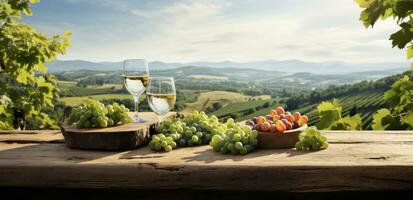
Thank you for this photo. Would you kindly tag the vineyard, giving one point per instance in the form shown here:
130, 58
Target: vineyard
366, 103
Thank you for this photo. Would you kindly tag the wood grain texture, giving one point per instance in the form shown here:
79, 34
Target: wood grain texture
122, 137
354, 161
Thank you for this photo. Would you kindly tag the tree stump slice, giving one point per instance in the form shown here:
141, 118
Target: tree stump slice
123, 137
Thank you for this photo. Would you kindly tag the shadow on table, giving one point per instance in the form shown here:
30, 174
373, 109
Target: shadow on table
209, 156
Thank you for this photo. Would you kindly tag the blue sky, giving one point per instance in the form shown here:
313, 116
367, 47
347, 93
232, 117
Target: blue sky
216, 30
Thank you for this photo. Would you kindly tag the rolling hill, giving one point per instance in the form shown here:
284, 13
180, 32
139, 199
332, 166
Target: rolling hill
286, 66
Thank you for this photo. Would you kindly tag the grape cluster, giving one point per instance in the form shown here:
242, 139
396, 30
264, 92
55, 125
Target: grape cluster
236, 140
196, 129
311, 140
94, 114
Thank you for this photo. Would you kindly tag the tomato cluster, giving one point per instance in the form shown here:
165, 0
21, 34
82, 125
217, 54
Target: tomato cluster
278, 121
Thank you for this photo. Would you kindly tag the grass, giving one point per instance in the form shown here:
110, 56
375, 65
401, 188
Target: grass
204, 76
238, 106
66, 84
74, 101
206, 99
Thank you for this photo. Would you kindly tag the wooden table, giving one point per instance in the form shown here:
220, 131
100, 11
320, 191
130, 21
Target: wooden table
354, 161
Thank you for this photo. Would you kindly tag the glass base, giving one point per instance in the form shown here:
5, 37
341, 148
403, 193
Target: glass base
139, 120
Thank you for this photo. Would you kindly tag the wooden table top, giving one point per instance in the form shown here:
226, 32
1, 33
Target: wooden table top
356, 160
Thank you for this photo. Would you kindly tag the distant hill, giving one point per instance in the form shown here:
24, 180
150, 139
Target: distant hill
287, 66
303, 80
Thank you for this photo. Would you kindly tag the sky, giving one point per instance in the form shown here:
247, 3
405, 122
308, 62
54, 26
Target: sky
216, 30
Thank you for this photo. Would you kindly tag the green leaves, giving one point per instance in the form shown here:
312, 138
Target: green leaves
402, 37
23, 53
400, 95
311, 140
383, 120
6, 122
330, 117
400, 116
401, 10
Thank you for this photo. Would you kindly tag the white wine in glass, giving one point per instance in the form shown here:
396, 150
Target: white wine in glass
161, 95
135, 78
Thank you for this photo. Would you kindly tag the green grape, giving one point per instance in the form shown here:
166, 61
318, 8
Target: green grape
243, 151
87, 124
193, 129
236, 138
164, 143
199, 142
182, 142
173, 145
311, 140
224, 150
169, 140
92, 113
156, 139
168, 148
162, 137
199, 134
194, 138
157, 147
231, 146
197, 129
103, 124
245, 140
238, 145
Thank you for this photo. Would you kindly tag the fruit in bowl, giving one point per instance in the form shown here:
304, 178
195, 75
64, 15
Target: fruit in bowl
278, 121
278, 129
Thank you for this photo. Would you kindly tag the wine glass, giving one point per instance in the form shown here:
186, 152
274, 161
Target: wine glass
135, 78
161, 95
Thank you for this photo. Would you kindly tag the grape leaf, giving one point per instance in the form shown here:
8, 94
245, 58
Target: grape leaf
408, 119
330, 117
383, 120
348, 123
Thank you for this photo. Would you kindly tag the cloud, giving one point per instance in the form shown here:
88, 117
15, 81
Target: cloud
238, 30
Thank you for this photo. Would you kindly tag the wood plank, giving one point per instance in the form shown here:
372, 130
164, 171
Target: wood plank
354, 161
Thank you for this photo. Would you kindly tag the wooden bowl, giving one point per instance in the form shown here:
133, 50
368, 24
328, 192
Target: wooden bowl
268, 140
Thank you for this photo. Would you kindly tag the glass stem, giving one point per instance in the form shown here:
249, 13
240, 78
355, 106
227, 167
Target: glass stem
136, 99
160, 118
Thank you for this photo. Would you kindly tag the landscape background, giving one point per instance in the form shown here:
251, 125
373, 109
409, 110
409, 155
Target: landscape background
241, 90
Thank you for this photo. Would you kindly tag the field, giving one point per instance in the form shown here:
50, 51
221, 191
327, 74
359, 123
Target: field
206, 99
367, 103
74, 101
202, 76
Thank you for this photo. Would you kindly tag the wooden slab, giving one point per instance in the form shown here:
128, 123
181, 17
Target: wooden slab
354, 161
122, 137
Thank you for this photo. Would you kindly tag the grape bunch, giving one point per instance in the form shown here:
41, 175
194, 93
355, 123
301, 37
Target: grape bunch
236, 140
94, 114
311, 140
196, 129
